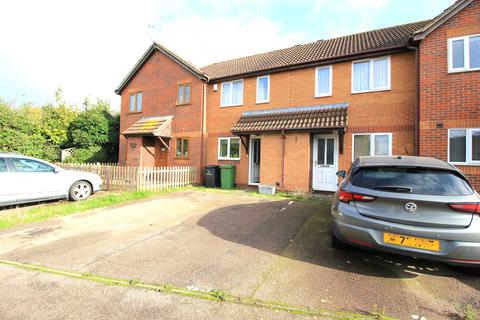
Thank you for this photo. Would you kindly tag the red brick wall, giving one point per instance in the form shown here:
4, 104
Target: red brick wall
385, 111
448, 99
158, 80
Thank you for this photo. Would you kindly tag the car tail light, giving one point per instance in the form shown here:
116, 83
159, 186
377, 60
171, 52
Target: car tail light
346, 197
466, 207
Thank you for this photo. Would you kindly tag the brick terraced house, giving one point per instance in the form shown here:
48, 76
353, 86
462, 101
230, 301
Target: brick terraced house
293, 117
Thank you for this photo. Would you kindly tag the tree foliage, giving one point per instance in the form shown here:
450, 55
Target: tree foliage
42, 131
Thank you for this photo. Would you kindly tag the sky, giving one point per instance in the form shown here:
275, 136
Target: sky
87, 47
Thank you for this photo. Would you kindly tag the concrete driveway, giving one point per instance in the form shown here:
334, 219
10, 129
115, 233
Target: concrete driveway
248, 246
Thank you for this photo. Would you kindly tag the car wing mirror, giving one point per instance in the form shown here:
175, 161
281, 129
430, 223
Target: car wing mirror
57, 170
341, 174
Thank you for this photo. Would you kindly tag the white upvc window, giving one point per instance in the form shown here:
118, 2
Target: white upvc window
323, 81
371, 75
371, 144
464, 146
229, 148
232, 93
464, 53
263, 89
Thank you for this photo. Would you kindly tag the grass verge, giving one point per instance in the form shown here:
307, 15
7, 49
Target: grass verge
24, 215
213, 295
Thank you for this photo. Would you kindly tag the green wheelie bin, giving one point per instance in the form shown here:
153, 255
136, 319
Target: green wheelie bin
227, 176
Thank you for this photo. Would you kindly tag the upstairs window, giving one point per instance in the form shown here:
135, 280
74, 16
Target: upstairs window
232, 93
372, 144
263, 89
371, 75
229, 149
323, 81
183, 94
135, 102
464, 146
182, 148
464, 53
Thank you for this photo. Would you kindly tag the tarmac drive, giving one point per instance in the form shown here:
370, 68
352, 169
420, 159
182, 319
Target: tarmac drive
263, 248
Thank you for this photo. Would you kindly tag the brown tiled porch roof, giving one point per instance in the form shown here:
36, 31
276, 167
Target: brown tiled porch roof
151, 126
328, 116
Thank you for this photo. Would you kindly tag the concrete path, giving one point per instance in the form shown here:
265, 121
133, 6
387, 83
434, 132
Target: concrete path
231, 242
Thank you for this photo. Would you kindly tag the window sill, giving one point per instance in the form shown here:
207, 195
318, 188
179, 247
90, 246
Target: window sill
228, 159
181, 158
183, 104
468, 164
453, 71
370, 91
231, 105
136, 112
262, 102
323, 95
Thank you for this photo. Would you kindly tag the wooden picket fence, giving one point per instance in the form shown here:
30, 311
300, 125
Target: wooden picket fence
123, 178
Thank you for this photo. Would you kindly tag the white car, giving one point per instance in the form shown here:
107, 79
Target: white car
25, 179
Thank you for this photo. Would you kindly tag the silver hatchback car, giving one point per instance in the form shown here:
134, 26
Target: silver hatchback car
415, 206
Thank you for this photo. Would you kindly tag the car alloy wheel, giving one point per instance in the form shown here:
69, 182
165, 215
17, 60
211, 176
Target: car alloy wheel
81, 190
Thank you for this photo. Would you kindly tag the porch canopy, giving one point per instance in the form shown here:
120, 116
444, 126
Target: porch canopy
312, 118
151, 126
326, 116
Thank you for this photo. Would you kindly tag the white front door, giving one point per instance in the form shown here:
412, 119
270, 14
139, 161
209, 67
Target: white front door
254, 165
325, 162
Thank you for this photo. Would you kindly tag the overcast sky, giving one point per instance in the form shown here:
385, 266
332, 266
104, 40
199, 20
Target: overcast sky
87, 47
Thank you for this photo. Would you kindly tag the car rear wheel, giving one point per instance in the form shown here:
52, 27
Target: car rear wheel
80, 190
338, 244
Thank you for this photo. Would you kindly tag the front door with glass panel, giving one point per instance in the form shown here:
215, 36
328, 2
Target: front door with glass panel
254, 170
325, 158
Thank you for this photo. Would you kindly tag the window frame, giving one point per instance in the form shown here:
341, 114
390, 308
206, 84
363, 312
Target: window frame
219, 156
135, 108
372, 142
184, 85
468, 148
330, 92
466, 54
182, 156
259, 101
231, 93
371, 80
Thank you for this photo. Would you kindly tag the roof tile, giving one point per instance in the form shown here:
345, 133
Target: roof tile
151, 126
392, 37
299, 118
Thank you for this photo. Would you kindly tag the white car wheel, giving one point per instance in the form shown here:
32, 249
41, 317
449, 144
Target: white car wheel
80, 190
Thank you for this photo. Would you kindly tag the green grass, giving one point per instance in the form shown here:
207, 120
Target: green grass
24, 215
470, 313
14, 217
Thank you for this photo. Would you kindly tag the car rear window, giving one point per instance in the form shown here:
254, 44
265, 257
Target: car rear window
412, 180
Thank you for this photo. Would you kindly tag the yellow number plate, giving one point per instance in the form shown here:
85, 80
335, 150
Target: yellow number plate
413, 242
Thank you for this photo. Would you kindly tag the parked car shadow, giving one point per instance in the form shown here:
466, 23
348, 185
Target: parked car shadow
302, 232
29, 205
